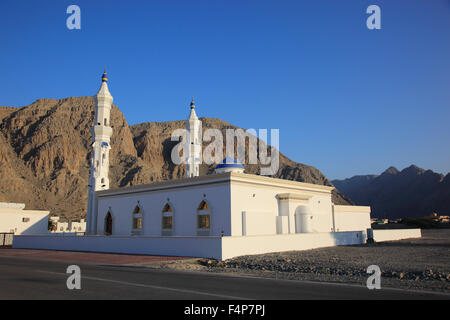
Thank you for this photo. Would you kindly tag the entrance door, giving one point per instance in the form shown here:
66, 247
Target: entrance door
108, 224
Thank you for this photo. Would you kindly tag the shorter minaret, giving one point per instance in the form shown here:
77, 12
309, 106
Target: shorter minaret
101, 136
194, 141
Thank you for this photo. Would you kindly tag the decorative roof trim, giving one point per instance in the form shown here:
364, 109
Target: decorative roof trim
214, 179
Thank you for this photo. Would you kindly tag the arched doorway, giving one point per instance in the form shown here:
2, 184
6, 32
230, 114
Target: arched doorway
108, 224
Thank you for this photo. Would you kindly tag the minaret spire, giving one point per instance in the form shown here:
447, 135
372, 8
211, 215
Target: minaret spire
101, 136
104, 77
194, 141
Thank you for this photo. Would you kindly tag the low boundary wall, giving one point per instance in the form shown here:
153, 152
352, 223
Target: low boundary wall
207, 247
380, 235
238, 246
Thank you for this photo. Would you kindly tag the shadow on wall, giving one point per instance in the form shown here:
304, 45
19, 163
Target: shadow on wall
38, 228
349, 237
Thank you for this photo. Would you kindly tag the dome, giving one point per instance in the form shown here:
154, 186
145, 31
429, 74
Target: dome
229, 164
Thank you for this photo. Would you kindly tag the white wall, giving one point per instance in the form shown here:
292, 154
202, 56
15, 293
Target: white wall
238, 246
12, 220
395, 234
258, 223
351, 218
322, 214
263, 198
184, 202
208, 247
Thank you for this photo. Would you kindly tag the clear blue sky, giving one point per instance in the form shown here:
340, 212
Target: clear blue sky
346, 99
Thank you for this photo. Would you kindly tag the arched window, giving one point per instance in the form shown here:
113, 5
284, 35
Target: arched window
203, 206
167, 220
108, 224
137, 221
167, 208
203, 219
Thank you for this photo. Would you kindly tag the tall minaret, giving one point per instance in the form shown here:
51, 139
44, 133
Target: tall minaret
101, 135
194, 140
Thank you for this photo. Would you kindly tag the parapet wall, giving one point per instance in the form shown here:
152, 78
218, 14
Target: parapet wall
395, 234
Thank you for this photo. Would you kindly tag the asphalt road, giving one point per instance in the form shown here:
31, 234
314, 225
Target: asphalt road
30, 278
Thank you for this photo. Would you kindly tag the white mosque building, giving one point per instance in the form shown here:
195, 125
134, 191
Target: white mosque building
221, 215
228, 203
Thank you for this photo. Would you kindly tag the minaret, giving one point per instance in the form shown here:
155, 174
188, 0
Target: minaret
194, 140
101, 135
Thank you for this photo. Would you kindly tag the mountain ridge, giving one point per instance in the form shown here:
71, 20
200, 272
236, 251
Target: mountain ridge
411, 192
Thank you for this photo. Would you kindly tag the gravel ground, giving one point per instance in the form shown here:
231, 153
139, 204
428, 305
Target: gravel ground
420, 264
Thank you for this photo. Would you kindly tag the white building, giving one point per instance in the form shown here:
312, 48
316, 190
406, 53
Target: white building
15, 219
221, 215
76, 226
229, 203
224, 204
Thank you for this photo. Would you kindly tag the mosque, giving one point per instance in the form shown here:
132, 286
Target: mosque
227, 203
221, 215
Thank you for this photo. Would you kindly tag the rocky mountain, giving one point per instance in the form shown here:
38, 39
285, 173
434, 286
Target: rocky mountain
45, 154
412, 192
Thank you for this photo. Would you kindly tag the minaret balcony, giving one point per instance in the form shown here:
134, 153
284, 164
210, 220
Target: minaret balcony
100, 130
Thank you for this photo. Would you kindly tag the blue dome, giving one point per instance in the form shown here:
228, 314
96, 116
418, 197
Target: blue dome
229, 162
